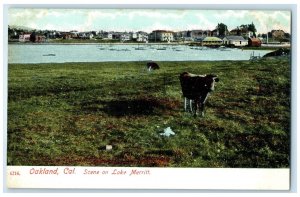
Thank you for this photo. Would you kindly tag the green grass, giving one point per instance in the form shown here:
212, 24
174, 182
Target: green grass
65, 114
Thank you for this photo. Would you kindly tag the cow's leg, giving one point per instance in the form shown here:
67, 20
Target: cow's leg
185, 103
191, 105
202, 106
195, 106
202, 103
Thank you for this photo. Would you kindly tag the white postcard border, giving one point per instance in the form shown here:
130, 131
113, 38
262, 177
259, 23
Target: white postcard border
71, 177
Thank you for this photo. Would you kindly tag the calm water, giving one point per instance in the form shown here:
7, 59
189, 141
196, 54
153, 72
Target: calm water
101, 53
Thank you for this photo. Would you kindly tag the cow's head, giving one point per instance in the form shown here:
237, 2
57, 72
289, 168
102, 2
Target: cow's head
210, 82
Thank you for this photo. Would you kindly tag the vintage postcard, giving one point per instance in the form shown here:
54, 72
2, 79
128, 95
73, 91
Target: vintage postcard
149, 98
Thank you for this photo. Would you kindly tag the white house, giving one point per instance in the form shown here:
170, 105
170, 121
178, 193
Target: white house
133, 35
125, 37
237, 41
142, 37
24, 38
85, 35
91, 35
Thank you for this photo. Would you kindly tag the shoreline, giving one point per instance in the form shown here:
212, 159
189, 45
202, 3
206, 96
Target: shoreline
263, 47
144, 61
93, 43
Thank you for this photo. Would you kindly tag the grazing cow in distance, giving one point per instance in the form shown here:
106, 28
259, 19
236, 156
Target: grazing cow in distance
152, 66
195, 89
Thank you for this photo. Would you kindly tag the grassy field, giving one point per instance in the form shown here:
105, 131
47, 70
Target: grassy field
66, 114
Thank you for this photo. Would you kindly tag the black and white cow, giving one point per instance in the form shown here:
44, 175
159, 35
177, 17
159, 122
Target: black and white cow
195, 89
152, 66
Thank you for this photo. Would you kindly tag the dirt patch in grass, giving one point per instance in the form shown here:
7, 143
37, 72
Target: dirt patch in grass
131, 107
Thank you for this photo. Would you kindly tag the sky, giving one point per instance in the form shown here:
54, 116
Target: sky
146, 19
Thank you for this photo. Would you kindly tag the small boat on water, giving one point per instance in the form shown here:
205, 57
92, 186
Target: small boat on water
50, 54
223, 48
197, 48
139, 48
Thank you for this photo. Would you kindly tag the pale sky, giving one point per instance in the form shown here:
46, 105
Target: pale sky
146, 19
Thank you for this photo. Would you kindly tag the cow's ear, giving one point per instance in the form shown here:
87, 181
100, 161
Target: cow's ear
216, 79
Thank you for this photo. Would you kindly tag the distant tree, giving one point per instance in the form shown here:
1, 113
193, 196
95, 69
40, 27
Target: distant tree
244, 26
222, 28
189, 33
270, 35
238, 31
264, 35
287, 35
32, 37
10, 33
251, 27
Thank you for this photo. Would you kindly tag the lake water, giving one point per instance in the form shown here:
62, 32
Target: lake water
58, 53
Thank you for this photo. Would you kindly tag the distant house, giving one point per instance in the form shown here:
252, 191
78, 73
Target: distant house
254, 42
215, 32
53, 34
24, 38
33, 37
40, 38
66, 35
277, 34
90, 35
211, 41
49, 34
241, 32
114, 35
142, 37
83, 35
109, 35
125, 37
236, 41
162, 35
196, 34
74, 35
182, 36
